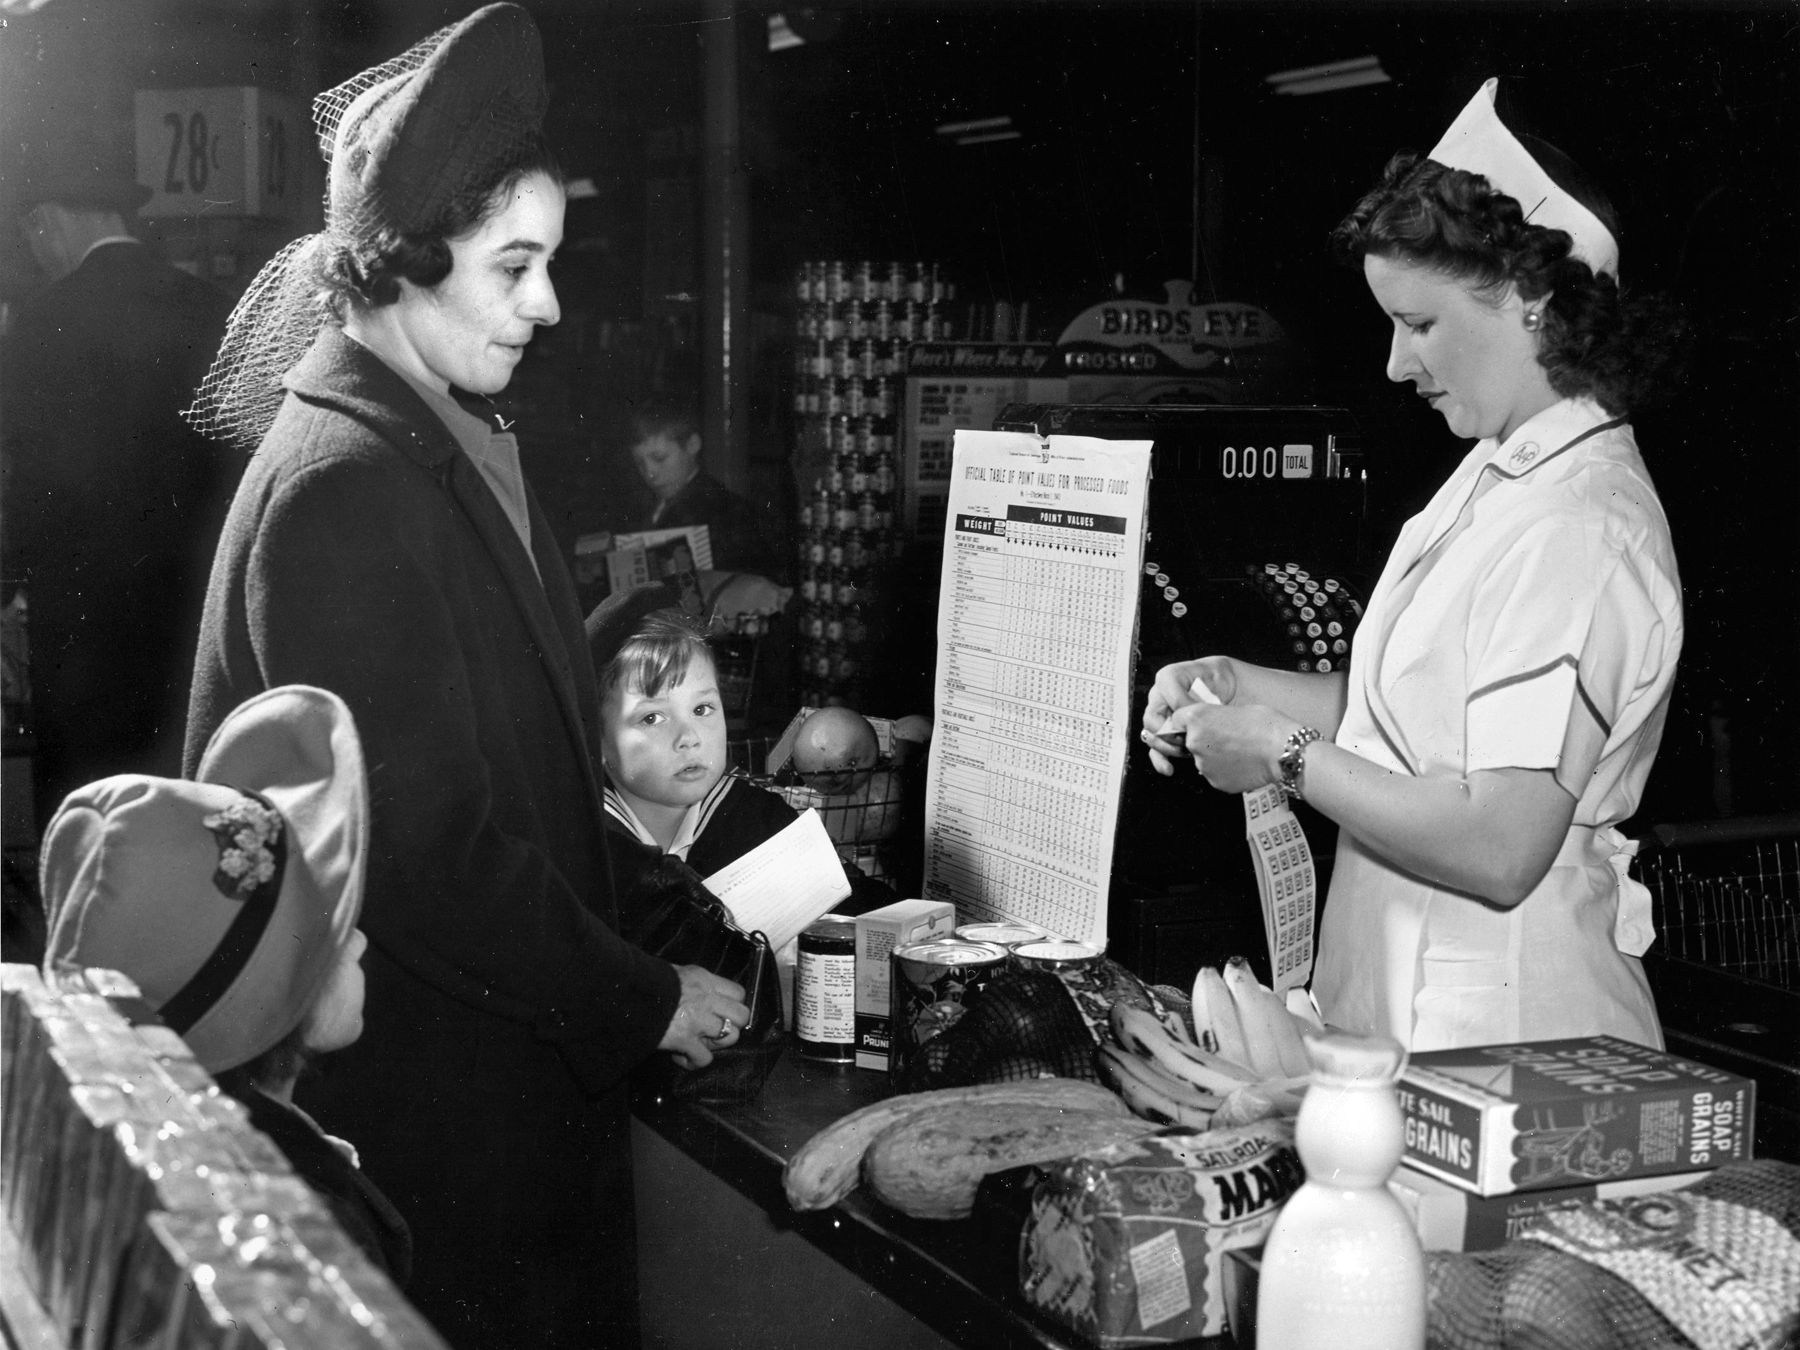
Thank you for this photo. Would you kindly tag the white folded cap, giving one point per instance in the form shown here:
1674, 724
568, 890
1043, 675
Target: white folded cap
1479, 142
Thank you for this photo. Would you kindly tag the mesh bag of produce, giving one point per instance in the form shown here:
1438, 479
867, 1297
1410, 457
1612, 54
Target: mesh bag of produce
1023, 1025
1029, 1023
1715, 1266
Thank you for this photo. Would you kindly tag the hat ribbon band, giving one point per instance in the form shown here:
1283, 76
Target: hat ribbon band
228, 960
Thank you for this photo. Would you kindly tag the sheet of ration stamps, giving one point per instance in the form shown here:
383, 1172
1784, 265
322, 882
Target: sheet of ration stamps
1037, 614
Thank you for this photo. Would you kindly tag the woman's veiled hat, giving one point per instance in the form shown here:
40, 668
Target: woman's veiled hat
1478, 142
403, 141
228, 898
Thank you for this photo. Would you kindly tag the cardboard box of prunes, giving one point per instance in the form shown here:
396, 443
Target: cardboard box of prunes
877, 934
1494, 1119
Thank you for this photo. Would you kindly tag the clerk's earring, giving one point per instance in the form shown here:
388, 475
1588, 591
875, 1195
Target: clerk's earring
1533, 320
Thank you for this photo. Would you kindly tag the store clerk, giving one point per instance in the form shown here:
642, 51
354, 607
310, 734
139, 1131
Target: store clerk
1509, 682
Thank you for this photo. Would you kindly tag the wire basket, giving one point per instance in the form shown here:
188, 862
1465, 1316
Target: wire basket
749, 755
1727, 894
864, 823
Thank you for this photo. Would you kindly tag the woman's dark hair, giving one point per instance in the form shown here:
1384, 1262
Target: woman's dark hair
1622, 351
657, 655
369, 271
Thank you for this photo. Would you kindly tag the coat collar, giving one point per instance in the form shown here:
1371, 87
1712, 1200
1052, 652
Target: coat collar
339, 371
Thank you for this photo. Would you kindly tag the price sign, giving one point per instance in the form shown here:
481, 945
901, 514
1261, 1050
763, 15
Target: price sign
231, 151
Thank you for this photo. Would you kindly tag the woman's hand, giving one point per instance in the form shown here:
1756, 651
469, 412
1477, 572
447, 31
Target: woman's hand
709, 1017
1180, 686
1236, 749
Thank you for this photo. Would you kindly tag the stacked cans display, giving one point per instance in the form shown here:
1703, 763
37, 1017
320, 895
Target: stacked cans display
854, 323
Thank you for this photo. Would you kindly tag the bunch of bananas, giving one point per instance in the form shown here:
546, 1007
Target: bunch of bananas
1243, 1059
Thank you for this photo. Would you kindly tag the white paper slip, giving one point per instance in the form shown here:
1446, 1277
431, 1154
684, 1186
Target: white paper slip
785, 882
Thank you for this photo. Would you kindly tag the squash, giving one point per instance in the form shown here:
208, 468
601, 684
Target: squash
930, 1164
824, 1169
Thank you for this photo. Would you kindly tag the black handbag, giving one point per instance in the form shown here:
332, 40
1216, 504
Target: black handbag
687, 925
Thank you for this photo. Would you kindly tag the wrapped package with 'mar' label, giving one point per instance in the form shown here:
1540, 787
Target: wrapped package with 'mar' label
1125, 1245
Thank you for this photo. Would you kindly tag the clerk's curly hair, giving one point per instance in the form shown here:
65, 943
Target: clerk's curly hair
368, 271
1625, 351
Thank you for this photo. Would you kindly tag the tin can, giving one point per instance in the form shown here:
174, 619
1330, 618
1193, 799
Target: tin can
825, 989
933, 983
1005, 934
1055, 955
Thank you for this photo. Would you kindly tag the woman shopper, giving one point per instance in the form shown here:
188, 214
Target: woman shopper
1510, 679
385, 545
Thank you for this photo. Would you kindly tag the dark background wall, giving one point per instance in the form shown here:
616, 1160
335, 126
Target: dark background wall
1150, 148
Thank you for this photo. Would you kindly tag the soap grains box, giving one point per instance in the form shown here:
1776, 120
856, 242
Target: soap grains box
877, 934
1450, 1219
1494, 1119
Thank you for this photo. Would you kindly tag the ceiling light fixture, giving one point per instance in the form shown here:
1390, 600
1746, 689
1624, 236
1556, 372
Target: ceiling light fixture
988, 136
781, 34
960, 129
1333, 75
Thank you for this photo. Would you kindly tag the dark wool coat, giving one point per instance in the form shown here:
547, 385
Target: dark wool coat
111, 508
364, 553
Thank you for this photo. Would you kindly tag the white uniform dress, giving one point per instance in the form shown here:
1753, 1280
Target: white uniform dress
1529, 617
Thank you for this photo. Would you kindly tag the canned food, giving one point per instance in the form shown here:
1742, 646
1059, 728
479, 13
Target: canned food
1057, 956
1005, 934
825, 989
933, 984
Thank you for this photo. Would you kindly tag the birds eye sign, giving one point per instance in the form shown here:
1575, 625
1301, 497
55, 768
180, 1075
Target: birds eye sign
227, 152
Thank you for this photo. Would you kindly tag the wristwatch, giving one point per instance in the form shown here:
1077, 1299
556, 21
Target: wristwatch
1293, 761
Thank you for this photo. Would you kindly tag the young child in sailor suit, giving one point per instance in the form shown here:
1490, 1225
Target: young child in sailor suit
663, 749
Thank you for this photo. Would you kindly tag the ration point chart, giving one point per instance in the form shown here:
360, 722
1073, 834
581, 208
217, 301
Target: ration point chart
1037, 617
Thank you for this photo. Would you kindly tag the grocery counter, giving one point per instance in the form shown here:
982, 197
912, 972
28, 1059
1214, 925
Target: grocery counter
914, 1282
714, 1218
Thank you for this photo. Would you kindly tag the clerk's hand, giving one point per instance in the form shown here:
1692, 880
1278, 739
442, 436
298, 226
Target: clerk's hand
710, 1016
1174, 690
1236, 749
